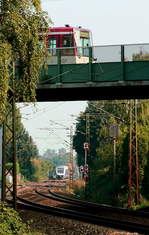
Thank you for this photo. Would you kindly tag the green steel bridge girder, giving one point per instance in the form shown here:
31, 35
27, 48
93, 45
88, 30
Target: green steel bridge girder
100, 72
109, 80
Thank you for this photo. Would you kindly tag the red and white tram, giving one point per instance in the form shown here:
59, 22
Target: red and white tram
71, 42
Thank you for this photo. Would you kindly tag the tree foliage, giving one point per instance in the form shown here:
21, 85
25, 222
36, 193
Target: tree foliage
20, 22
142, 55
41, 169
26, 149
56, 158
101, 115
105, 183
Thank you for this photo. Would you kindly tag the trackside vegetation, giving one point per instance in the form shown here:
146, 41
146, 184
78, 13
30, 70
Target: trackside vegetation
108, 168
11, 223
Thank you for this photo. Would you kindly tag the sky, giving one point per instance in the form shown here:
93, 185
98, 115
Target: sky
112, 22
50, 123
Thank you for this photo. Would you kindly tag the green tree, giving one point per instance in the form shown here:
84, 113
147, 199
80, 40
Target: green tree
20, 22
101, 149
41, 169
101, 115
56, 158
142, 55
26, 149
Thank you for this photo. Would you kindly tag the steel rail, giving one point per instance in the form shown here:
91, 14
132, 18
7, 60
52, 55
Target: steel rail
90, 205
60, 199
85, 217
76, 206
93, 205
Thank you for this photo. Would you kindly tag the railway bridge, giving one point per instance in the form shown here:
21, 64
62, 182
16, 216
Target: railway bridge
111, 72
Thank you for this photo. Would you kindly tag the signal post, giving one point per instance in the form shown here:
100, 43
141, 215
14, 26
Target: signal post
85, 170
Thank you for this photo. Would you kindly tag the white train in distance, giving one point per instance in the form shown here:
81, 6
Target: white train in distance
63, 172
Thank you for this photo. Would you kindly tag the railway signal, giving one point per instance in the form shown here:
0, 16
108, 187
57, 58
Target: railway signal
81, 168
86, 169
86, 148
86, 173
86, 145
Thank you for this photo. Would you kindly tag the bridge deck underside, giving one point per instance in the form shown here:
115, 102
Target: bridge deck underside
114, 80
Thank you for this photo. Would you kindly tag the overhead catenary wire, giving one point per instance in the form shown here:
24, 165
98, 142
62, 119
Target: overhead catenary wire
42, 111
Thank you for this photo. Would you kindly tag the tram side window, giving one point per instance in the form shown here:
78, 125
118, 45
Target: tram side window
67, 41
52, 46
85, 43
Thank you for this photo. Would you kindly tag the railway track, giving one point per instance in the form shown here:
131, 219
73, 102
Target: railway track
94, 206
88, 212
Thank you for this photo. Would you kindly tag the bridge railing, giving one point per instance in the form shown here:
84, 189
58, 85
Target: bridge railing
136, 52
115, 53
98, 54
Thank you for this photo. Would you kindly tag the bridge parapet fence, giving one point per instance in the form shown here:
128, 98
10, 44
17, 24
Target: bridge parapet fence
136, 52
103, 54
117, 53
99, 54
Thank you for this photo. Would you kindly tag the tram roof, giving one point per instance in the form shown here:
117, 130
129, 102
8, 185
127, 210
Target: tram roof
67, 29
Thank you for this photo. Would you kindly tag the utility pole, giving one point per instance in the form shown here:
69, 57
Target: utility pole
87, 156
133, 164
114, 134
71, 158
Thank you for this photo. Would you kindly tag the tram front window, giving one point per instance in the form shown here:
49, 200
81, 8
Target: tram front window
67, 41
60, 170
85, 43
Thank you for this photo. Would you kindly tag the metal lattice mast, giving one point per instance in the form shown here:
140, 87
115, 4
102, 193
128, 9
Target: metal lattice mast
133, 164
9, 145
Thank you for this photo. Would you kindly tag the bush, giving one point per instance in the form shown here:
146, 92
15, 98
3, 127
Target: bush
11, 223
